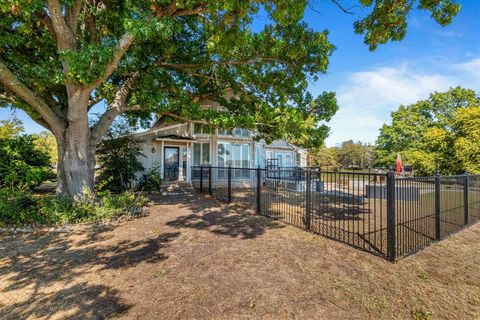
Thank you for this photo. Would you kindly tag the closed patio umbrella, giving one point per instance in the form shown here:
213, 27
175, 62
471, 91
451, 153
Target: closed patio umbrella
398, 164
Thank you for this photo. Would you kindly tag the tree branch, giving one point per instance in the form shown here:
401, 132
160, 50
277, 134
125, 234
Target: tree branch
125, 42
117, 107
65, 37
172, 11
43, 16
182, 118
190, 12
345, 10
53, 119
184, 66
72, 15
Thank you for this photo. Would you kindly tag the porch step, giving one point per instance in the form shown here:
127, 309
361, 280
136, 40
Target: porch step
177, 188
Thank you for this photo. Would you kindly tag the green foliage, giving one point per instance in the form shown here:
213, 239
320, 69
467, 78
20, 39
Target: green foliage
350, 154
10, 128
118, 158
440, 133
19, 207
189, 49
324, 157
22, 165
355, 155
46, 141
388, 19
151, 181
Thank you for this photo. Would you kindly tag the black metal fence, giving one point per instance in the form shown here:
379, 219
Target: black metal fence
376, 212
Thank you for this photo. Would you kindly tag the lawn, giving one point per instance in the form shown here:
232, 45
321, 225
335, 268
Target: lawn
193, 257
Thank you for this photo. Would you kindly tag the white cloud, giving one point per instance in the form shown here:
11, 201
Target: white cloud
471, 71
367, 98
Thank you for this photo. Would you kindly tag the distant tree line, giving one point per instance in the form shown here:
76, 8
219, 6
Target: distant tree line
439, 134
348, 155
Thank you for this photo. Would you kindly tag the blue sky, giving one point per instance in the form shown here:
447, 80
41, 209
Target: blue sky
370, 85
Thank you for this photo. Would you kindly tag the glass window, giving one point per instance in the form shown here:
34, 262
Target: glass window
288, 160
197, 147
201, 153
270, 155
234, 154
245, 155
284, 159
225, 132
258, 155
239, 132
280, 159
206, 152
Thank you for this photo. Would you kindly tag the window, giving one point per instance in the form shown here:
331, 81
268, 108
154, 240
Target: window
285, 159
270, 155
201, 153
258, 155
237, 132
225, 132
234, 154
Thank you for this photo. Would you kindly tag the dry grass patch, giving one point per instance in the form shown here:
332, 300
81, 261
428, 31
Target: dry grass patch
195, 258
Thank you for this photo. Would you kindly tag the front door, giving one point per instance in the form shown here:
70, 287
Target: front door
171, 163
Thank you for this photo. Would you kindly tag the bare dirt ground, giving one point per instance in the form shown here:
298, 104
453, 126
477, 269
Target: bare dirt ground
194, 258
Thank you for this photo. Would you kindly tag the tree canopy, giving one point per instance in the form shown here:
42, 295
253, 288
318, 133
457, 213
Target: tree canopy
441, 133
58, 58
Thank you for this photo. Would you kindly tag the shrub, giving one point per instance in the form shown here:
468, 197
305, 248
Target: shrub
22, 165
151, 181
19, 207
118, 158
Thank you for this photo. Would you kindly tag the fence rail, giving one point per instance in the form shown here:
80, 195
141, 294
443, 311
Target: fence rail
376, 212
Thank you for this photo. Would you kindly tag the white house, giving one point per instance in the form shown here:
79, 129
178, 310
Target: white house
172, 148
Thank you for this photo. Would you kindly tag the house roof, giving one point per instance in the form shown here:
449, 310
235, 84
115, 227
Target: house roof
175, 137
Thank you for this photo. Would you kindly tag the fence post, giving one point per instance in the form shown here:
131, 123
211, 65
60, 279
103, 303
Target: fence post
391, 239
437, 207
229, 183
201, 179
465, 200
210, 179
308, 199
259, 190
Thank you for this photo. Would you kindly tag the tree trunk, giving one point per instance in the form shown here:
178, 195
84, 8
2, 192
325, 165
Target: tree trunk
76, 153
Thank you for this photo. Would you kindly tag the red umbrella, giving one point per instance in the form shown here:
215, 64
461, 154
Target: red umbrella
398, 164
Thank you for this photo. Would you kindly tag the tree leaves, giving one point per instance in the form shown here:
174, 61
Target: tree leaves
388, 19
440, 133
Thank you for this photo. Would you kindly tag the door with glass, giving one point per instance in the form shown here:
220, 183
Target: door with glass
171, 163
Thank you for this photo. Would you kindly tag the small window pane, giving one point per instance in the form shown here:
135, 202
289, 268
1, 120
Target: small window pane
196, 154
206, 153
225, 132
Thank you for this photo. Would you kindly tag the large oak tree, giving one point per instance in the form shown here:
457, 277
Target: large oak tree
58, 58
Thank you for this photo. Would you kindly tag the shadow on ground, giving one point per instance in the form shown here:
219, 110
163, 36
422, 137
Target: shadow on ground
222, 219
48, 265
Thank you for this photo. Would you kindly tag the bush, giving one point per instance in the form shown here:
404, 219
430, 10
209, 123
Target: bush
118, 158
22, 165
19, 207
151, 181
